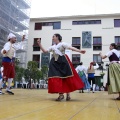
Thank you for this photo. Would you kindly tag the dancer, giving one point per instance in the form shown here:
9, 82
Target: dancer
8, 52
62, 76
91, 72
113, 70
1, 80
82, 70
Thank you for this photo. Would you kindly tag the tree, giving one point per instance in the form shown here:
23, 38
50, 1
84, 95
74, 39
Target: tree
44, 71
26, 75
19, 72
39, 75
32, 70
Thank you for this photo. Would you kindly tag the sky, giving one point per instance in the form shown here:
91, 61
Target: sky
52, 8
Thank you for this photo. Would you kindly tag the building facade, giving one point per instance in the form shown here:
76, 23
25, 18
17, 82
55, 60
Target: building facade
14, 17
94, 33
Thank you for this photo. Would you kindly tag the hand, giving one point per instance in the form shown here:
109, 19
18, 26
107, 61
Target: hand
83, 51
23, 37
4, 51
38, 40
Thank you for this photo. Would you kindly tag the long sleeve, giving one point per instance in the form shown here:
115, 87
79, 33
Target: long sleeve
18, 46
85, 69
77, 69
6, 47
97, 66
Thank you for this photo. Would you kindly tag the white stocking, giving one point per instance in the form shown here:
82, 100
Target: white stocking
9, 83
93, 87
0, 83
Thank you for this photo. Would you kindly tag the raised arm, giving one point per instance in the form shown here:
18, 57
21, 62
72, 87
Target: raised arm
96, 66
102, 56
77, 50
19, 45
41, 47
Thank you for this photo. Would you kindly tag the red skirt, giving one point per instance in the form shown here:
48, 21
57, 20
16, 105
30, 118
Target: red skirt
65, 85
8, 70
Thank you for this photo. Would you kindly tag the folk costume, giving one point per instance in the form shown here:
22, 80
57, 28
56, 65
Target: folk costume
113, 72
82, 70
63, 78
8, 60
91, 77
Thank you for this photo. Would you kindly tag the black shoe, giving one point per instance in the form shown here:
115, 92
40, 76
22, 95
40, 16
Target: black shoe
68, 98
61, 97
118, 98
10, 92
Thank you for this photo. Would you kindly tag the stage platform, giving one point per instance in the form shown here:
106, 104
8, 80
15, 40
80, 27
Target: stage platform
39, 105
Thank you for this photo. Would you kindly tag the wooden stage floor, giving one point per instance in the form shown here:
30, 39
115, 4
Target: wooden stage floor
39, 105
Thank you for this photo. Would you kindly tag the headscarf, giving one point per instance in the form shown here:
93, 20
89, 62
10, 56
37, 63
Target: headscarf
11, 35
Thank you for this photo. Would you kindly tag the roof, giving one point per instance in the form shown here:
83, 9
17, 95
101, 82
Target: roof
76, 17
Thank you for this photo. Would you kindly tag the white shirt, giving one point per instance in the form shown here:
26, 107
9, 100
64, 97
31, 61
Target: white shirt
113, 51
81, 68
16, 46
55, 48
95, 67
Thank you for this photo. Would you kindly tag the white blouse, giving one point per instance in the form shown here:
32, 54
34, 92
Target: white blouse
55, 48
113, 51
81, 68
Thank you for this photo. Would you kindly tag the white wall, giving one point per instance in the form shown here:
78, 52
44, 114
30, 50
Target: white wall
106, 30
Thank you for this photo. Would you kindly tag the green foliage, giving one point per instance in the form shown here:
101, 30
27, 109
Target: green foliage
32, 67
32, 72
26, 75
39, 75
19, 73
44, 71
102, 73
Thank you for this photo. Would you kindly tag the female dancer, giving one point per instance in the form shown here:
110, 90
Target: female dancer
62, 76
113, 70
81, 70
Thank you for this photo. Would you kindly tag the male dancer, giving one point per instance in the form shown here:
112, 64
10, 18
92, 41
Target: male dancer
8, 52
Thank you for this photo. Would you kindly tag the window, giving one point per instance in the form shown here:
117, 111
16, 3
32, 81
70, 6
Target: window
56, 25
97, 43
117, 41
47, 24
38, 26
35, 45
86, 22
37, 59
97, 58
76, 58
116, 22
76, 42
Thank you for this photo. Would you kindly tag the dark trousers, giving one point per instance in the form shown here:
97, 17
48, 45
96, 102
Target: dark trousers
93, 80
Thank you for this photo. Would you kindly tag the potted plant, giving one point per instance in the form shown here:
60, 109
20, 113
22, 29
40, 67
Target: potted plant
102, 73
